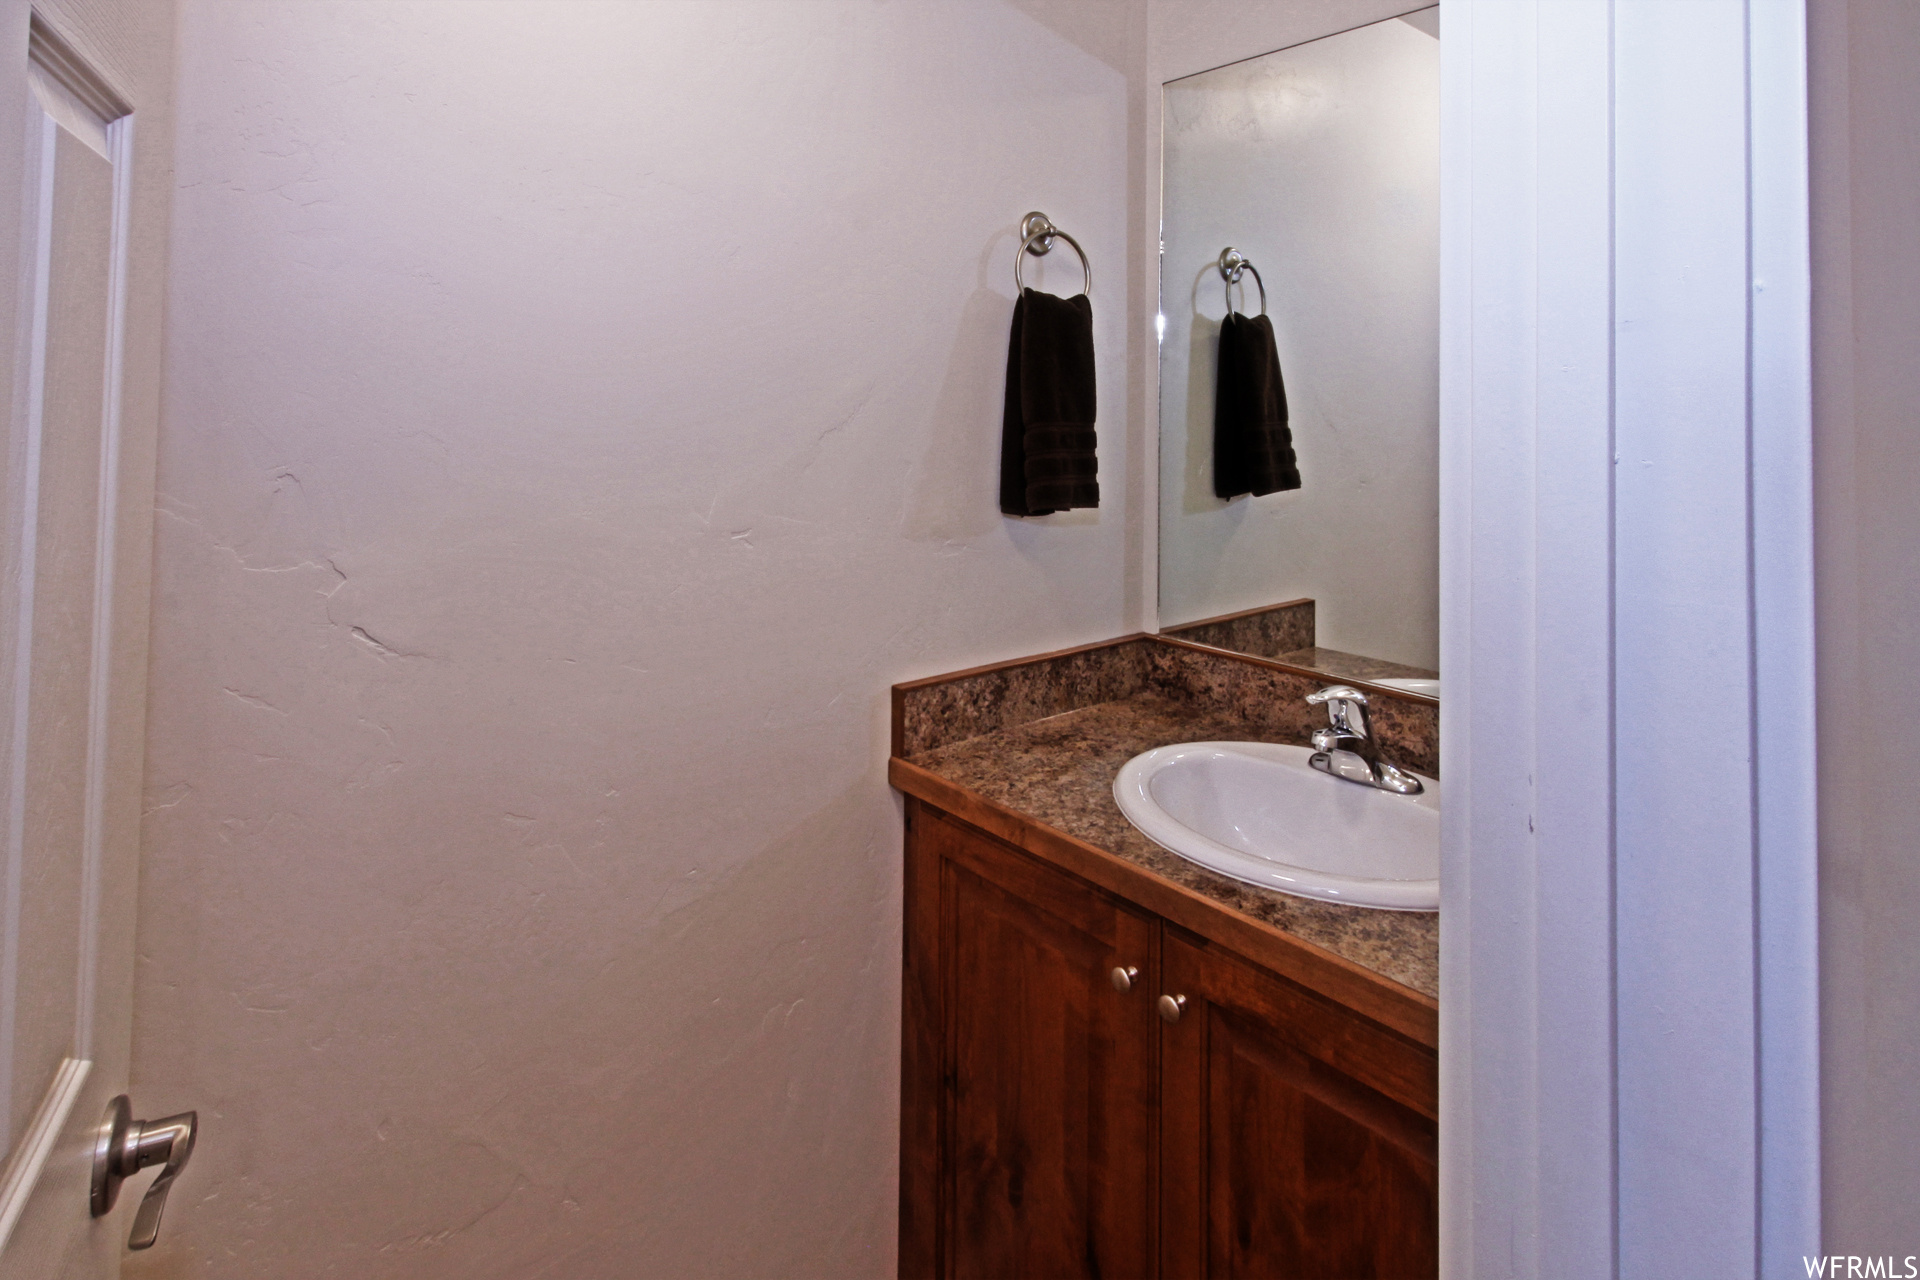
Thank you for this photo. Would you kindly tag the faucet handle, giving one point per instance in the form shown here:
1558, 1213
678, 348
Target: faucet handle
1346, 709
1346, 748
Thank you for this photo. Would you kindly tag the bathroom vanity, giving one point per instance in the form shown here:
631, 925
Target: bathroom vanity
1116, 1062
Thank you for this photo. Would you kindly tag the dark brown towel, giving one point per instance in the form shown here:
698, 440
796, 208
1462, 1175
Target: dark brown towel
1252, 445
1047, 461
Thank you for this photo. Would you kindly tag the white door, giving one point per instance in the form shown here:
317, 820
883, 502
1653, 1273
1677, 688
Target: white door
67, 860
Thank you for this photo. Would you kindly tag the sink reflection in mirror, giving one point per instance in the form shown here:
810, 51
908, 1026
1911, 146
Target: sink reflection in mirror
1319, 166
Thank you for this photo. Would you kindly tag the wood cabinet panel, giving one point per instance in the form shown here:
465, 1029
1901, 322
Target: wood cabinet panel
1043, 1117
1052, 1126
923, 1067
1297, 1139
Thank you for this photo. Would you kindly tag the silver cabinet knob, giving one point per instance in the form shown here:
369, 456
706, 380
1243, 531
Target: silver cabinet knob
1170, 1007
1123, 977
124, 1147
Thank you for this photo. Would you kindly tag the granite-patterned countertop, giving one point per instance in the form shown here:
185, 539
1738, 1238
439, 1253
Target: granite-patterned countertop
1060, 771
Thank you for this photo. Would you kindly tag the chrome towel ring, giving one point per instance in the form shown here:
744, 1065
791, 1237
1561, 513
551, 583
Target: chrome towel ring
1232, 264
1037, 234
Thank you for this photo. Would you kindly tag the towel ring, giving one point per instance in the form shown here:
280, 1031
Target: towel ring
1232, 264
1038, 233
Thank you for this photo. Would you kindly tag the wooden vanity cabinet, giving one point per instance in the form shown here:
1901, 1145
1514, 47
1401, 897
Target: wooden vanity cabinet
1028, 1086
1297, 1138
1055, 1126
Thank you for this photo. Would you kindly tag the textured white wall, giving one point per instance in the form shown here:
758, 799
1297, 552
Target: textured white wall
1867, 469
578, 414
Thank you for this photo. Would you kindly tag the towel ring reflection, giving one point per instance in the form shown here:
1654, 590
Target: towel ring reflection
1037, 236
1232, 264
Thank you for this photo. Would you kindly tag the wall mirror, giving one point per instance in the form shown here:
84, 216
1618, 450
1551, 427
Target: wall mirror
1318, 165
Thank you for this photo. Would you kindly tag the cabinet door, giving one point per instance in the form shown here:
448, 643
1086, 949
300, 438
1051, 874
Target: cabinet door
1298, 1138
1046, 1085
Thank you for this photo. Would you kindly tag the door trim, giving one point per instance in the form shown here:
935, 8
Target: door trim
22, 1174
70, 94
1629, 947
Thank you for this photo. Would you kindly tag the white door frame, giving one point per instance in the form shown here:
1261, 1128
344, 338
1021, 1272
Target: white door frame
1629, 1012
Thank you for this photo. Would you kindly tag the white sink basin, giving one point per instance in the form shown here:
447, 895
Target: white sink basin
1257, 812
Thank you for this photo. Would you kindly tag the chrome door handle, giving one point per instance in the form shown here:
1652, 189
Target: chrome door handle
124, 1147
1171, 1007
1122, 977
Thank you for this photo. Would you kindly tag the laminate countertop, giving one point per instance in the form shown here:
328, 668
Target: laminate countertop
1059, 772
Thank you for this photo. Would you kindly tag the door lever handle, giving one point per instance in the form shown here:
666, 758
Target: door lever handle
124, 1147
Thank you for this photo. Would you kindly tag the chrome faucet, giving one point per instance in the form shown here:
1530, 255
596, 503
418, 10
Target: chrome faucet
1346, 747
